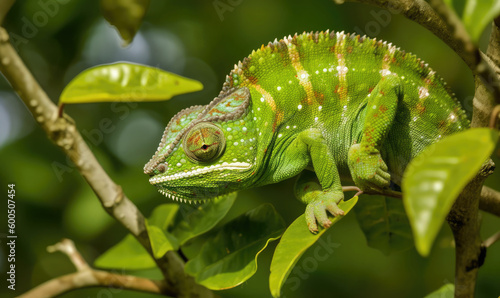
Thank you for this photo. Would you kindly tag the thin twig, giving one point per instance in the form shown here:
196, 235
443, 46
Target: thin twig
494, 117
67, 247
492, 239
87, 277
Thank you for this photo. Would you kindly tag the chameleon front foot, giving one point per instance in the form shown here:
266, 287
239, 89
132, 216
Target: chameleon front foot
368, 170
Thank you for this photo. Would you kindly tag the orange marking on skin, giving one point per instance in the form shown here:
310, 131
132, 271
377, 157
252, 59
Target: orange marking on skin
215, 110
320, 97
383, 108
382, 92
267, 97
302, 75
277, 119
371, 89
253, 79
442, 124
420, 108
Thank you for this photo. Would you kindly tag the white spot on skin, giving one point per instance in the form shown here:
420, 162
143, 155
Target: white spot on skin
242, 140
299, 107
178, 164
254, 118
319, 108
287, 127
234, 159
280, 135
325, 70
295, 126
279, 88
385, 72
244, 129
315, 118
374, 107
262, 99
289, 82
342, 70
423, 92
316, 72
251, 148
229, 129
235, 143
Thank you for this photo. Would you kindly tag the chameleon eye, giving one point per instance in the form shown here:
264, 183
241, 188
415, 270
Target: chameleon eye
204, 142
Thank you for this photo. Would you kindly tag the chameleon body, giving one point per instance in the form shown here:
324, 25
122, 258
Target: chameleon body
323, 105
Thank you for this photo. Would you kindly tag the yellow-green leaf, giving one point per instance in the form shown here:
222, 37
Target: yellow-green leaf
160, 243
477, 14
294, 242
446, 291
197, 221
435, 178
230, 257
127, 254
125, 15
119, 82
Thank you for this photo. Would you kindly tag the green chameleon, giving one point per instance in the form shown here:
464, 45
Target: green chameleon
327, 106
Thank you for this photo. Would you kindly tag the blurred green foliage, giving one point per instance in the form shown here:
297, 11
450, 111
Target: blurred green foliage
199, 40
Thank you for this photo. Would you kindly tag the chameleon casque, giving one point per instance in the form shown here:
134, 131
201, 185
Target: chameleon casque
323, 105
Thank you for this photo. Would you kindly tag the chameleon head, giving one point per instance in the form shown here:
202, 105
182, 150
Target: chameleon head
206, 151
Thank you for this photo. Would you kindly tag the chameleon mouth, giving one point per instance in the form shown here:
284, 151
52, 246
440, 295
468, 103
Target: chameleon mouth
180, 199
220, 167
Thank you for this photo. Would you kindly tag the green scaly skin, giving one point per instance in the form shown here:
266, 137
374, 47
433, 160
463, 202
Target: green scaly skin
341, 105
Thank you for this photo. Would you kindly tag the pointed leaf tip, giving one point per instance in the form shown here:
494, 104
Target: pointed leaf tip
123, 81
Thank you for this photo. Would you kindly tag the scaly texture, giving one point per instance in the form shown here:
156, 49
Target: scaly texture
342, 105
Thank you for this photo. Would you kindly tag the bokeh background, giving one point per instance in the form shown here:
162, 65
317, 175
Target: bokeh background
200, 40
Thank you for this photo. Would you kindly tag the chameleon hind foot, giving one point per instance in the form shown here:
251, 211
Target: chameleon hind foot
368, 170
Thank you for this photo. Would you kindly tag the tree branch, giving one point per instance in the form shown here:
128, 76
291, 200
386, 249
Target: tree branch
490, 201
63, 132
87, 277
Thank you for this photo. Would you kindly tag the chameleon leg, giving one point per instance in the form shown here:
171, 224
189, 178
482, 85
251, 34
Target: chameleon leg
321, 190
367, 168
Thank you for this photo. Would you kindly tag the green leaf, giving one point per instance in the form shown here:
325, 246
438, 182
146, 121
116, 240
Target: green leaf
127, 254
435, 178
230, 258
119, 82
163, 215
478, 14
296, 240
446, 291
197, 221
161, 241
384, 223
125, 15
